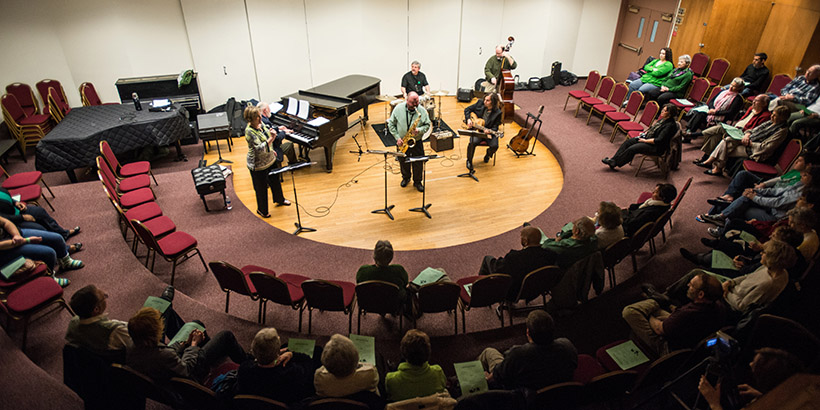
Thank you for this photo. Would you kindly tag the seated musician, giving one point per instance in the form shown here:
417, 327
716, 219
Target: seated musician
283, 148
400, 124
492, 70
414, 80
485, 116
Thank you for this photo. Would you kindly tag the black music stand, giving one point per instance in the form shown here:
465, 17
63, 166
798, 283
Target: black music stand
291, 168
212, 127
424, 205
387, 208
471, 133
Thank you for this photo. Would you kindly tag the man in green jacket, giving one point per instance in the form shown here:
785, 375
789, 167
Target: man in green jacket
492, 70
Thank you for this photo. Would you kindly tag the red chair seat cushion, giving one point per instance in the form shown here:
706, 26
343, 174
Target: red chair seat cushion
633, 134
679, 105
144, 212
41, 269
27, 193
160, 226
592, 101
587, 368
247, 269
758, 168
618, 116
348, 290
22, 179
134, 183
176, 244
630, 126
135, 168
466, 281
294, 283
33, 294
136, 197
578, 94
34, 120
604, 108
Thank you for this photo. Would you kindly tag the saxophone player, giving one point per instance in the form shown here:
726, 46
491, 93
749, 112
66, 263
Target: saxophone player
400, 123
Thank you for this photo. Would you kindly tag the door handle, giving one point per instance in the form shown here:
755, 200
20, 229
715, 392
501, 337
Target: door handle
630, 48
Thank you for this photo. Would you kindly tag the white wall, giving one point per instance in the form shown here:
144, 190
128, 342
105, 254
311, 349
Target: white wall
270, 48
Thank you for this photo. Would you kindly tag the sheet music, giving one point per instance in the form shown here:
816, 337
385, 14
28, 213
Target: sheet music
318, 121
304, 108
292, 106
276, 107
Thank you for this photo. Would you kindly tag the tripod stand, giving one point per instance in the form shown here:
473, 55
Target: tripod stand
387, 208
424, 205
291, 168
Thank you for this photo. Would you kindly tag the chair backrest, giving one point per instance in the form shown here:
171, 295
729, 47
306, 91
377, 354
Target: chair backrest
324, 295
699, 63
107, 175
699, 88
593, 79
271, 288
660, 223
57, 108
110, 157
778, 82
86, 372
12, 111
789, 155
25, 96
378, 296
619, 94
539, 282
712, 94
489, 290
611, 386
641, 236
605, 90
438, 297
681, 193
131, 382
785, 334
89, 95
252, 402
146, 236
42, 89
336, 404
717, 70
193, 394
649, 113
566, 395
492, 400
662, 370
230, 278
615, 253
634, 104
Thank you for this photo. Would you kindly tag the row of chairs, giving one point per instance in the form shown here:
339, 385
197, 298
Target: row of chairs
128, 189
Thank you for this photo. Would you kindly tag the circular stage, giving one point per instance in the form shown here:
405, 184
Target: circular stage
339, 204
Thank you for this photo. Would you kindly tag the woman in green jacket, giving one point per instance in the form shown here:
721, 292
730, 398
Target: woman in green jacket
675, 85
656, 72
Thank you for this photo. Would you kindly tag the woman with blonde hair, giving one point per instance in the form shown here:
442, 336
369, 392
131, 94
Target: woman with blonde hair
261, 160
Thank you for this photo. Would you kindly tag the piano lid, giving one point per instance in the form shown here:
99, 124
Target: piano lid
337, 94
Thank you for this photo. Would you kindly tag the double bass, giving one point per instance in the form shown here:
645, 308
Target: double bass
506, 84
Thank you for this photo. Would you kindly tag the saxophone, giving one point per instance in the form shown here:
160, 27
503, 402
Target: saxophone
408, 141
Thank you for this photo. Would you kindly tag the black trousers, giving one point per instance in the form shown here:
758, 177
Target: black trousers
629, 149
261, 181
474, 141
417, 167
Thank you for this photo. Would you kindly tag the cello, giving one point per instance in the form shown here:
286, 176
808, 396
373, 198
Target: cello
521, 142
506, 84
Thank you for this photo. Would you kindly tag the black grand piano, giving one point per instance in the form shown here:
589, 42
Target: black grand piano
334, 101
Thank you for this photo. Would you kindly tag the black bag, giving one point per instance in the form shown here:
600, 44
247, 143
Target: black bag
547, 83
478, 85
464, 95
568, 78
519, 86
235, 109
534, 84
555, 72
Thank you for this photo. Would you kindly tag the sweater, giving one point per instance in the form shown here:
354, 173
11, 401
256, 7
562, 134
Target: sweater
411, 381
656, 72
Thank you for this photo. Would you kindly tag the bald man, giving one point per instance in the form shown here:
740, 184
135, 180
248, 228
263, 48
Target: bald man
492, 70
518, 263
401, 120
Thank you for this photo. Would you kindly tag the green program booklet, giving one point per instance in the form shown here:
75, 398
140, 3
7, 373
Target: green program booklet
366, 345
627, 355
429, 275
305, 346
12, 267
186, 330
734, 132
471, 377
721, 260
159, 304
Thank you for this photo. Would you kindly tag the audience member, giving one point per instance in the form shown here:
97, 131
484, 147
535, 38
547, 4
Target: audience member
755, 76
33, 217
803, 220
383, 270
763, 285
675, 85
722, 107
757, 114
664, 331
656, 72
543, 361
275, 373
518, 263
37, 245
570, 247
415, 377
654, 141
803, 90
609, 221
638, 215
341, 373
805, 120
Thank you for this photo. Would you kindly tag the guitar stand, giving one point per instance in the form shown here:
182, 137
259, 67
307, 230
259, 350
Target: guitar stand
470, 174
424, 205
291, 168
387, 208
536, 119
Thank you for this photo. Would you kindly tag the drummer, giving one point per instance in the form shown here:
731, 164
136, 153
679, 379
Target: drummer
414, 80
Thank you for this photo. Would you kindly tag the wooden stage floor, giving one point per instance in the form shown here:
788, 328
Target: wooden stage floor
339, 204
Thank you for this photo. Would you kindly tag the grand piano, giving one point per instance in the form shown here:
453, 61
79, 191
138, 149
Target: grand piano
334, 101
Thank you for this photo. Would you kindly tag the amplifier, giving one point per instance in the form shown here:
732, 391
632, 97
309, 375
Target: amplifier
441, 141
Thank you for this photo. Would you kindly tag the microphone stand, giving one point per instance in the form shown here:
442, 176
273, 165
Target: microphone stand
291, 168
424, 205
387, 208
360, 152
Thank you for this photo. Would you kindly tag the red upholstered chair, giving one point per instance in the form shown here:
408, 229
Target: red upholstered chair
602, 97
696, 93
149, 214
89, 95
783, 163
716, 71
123, 184
285, 289
42, 89
172, 247
30, 298
25, 96
629, 113
649, 113
699, 63
125, 170
537, 283
58, 108
664, 161
778, 82
566, 395
614, 104
27, 129
588, 368
330, 295
679, 198
613, 255
485, 291
589, 88
8, 285
126, 200
439, 297
610, 387
231, 278
22, 179
377, 296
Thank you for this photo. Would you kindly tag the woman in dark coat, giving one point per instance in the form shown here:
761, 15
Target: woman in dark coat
655, 141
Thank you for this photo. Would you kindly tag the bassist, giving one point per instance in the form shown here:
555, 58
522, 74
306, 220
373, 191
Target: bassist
483, 115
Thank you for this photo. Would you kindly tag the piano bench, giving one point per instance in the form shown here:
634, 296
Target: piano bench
209, 180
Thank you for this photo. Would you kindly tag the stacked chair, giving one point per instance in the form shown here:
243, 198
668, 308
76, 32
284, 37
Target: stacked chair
42, 89
25, 96
28, 129
89, 95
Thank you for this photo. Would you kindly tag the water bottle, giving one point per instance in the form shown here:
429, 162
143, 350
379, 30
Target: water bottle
228, 205
136, 99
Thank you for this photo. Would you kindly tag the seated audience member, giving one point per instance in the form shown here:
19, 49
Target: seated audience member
721, 108
765, 204
383, 270
273, 373
764, 284
609, 221
758, 144
803, 90
543, 361
637, 215
32, 216
37, 245
570, 247
755, 76
192, 358
805, 120
803, 220
654, 141
757, 114
656, 72
280, 145
770, 367
415, 376
664, 331
341, 373
92, 329
675, 85
518, 263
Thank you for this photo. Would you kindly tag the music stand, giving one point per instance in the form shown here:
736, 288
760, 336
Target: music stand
291, 168
387, 208
424, 205
212, 127
471, 133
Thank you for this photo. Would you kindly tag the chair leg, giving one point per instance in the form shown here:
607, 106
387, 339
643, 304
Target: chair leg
49, 203
227, 300
202, 259
173, 271
153, 177
455, 322
463, 321
153, 261
359, 323
46, 185
578, 108
310, 319
640, 165
350, 321
565, 103
301, 309
25, 332
603, 121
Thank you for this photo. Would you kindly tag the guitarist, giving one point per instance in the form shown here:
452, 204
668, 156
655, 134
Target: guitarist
484, 115
401, 120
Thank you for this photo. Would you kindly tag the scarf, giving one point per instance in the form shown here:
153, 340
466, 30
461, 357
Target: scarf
722, 103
